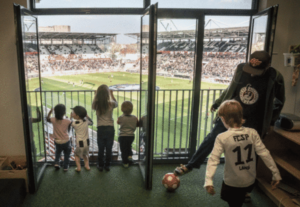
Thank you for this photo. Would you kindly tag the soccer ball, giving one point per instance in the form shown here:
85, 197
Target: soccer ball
171, 181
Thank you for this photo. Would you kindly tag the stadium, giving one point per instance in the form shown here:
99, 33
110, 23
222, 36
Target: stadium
61, 51
74, 64
77, 53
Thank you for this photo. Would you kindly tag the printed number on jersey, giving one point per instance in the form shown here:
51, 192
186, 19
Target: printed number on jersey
239, 156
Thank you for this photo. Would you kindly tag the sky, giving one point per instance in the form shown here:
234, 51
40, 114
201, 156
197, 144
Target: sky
131, 23
216, 4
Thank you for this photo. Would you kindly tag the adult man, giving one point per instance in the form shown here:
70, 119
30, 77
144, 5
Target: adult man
260, 90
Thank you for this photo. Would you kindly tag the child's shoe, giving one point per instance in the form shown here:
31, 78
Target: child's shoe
130, 160
126, 165
247, 198
100, 168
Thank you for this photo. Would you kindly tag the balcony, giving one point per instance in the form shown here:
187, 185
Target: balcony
173, 110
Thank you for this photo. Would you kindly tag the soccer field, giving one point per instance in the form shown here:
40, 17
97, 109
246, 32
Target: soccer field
173, 104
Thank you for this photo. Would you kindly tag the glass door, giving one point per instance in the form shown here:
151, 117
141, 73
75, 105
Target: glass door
262, 32
32, 110
147, 92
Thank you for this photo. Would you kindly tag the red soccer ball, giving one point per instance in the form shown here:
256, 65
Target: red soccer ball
171, 181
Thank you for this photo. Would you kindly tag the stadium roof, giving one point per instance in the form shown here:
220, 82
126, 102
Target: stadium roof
70, 35
230, 32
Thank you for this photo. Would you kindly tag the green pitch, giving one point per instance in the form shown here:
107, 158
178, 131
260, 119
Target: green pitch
173, 105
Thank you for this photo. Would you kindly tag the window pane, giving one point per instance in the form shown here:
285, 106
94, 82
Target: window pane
224, 48
78, 54
259, 33
211, 4
89, 4
174, 78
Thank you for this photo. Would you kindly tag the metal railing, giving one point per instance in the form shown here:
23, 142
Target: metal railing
173, 110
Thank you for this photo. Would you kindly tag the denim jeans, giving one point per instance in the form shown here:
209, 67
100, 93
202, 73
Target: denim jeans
66, 148
206, 146
105, 139
125, 146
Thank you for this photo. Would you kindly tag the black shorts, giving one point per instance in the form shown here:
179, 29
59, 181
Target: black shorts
233, 195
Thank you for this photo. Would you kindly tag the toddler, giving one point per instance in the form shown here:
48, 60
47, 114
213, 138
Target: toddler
80, 124
128, 124
60, 135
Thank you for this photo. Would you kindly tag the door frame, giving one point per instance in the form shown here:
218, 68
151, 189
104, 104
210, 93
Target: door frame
149, 144
33, 178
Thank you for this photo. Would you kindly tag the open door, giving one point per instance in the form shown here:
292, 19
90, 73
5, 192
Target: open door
30, 85
262, 31
147, 92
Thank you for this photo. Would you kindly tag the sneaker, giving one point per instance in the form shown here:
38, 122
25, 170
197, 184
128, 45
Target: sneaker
126, 165
247, 198
107, 168
130, 160
182, 170
57, 167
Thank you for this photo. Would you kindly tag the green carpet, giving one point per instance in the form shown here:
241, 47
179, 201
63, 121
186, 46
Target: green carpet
124, 187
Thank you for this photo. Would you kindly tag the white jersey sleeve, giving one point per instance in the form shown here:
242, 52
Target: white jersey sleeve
264, 154
213, 162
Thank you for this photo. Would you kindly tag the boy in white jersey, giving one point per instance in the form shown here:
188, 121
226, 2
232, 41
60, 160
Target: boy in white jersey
80, 124
128, 124
239, 145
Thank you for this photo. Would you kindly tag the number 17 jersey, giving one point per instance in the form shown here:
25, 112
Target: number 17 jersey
239, 146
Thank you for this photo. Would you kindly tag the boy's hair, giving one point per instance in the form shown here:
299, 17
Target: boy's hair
80, 111
60, 111
232, 112
127, 107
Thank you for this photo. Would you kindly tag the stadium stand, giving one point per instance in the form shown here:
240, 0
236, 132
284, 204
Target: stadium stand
210, 46
221, 54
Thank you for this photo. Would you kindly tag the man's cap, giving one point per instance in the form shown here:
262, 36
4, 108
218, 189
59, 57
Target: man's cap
80, 111
259, 61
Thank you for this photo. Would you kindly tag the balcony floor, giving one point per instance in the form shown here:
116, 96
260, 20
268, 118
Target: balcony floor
124, 187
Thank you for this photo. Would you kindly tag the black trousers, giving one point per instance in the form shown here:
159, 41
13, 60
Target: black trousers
234, 196
126, 148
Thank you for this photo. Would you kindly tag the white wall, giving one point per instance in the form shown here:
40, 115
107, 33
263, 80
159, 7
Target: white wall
287, 33
11, 125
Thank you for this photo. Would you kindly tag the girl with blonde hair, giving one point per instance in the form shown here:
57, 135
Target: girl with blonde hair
104, 102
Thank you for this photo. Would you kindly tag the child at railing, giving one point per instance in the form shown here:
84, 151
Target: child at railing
239, 145
60, 135
104, 106
80, 124
128, 124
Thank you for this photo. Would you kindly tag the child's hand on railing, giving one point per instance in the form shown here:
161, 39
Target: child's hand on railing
212, 109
